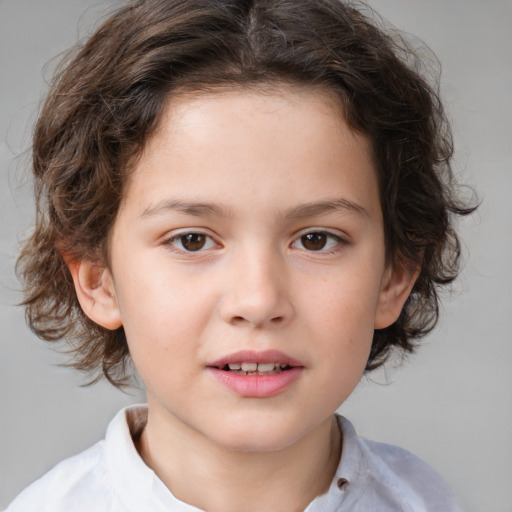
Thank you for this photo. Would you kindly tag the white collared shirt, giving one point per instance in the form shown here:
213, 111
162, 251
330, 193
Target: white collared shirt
111, 477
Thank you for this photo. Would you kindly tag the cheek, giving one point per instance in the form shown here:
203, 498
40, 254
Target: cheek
163, 318
345, 300
345, 326
341, 312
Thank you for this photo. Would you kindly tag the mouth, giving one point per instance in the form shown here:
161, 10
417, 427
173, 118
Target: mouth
253, 374
247, 362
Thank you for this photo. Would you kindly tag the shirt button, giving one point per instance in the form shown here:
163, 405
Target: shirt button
342, 483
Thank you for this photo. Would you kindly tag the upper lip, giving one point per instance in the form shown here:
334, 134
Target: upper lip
252, 356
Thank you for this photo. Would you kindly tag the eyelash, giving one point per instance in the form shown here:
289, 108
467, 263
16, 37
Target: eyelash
332, 244
338, 241
179, 238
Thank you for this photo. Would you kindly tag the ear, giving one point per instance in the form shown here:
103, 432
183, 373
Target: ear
397, 283
95, 291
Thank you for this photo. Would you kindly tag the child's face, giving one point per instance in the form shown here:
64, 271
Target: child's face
252, 223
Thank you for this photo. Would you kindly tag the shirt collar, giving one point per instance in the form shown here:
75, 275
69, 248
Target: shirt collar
138, 487
351, 475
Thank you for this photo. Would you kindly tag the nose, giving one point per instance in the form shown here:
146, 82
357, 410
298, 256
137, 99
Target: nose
257, 291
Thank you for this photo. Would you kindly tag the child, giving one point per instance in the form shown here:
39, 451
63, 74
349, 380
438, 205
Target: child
251, 201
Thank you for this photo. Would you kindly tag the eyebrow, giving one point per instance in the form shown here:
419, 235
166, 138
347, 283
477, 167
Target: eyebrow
196, 209
202, 209
323, 207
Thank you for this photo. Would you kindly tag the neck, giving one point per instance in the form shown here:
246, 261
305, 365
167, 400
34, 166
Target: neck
212, 477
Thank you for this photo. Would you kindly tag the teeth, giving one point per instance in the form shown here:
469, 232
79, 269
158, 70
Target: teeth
257, 367
266, 367
249, 367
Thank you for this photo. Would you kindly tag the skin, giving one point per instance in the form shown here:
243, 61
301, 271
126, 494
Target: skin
257, 159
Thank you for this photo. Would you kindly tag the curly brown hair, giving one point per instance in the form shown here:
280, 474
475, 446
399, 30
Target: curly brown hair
107, 99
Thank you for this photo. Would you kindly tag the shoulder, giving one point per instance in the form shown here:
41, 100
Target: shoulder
404, 468
75, 484
96, 478
398, 477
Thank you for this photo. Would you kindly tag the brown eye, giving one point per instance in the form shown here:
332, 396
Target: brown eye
319, 241
192, 242
314, 241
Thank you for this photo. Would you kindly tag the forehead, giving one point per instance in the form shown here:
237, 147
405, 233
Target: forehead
219, 144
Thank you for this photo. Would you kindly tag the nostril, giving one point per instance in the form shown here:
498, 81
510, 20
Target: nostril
237, 319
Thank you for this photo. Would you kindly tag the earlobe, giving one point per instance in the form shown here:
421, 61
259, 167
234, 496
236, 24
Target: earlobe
95, 291
395, 289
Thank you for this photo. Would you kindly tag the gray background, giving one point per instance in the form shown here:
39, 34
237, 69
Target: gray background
450, 404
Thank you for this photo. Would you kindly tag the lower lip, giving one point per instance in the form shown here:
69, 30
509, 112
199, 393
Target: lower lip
257, 386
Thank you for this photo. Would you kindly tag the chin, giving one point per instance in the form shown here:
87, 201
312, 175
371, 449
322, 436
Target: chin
257, 436
256, 444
